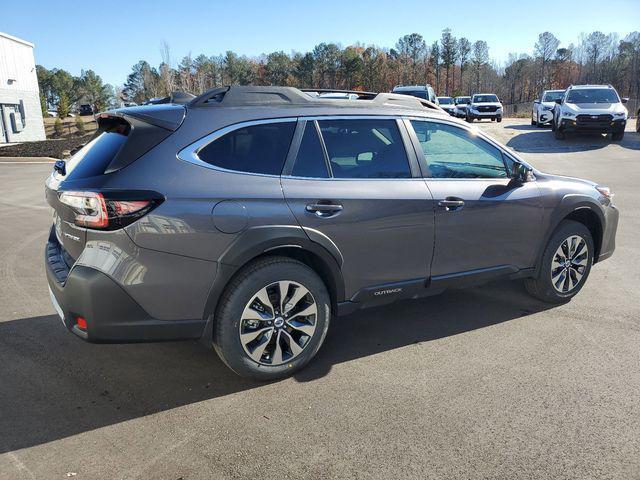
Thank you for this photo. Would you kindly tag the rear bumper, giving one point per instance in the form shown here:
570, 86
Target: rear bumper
111, 314
613, 126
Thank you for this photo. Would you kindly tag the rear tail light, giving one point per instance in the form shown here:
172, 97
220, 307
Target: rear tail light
109, 210
81, 322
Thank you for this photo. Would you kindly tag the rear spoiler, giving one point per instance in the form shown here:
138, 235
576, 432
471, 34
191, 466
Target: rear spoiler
147, 127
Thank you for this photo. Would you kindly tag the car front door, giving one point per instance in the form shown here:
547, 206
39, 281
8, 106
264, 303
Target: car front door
353, 183
486, 224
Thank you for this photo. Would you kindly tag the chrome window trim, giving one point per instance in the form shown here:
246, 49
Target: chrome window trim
189, 153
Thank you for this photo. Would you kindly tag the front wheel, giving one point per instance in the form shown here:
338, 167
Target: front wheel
272, 319
617, 136
498, 119
559, 134
469, 119
566, 264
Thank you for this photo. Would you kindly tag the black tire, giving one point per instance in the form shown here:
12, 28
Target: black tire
638, 122
493, 119
559, 134
245, 285
542, 286
469, 119
533, 122
498, 119
617, 136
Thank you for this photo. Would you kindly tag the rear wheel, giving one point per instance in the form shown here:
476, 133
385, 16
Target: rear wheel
559, 134
617, 136
469, 119
272, 319
566, 264
638, 122
533, 122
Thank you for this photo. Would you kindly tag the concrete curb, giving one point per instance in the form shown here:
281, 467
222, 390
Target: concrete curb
26, 160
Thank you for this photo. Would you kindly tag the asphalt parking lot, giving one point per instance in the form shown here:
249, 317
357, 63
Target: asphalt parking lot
476, 383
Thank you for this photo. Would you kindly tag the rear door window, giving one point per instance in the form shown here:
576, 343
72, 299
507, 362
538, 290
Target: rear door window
365, 148
310, 161
252, 149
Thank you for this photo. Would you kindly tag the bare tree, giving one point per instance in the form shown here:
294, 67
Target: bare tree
545, 48
479, 59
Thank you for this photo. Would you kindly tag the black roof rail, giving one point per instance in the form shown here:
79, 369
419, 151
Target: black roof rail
235, 96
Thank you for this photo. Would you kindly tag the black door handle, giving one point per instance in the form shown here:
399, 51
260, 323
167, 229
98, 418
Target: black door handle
451, 204
323, 209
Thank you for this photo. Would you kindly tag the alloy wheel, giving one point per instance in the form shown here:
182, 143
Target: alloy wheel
278, 322
569, 264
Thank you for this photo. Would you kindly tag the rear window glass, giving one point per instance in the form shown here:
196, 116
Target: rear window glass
94, 158
310, 160
365, 148
254, 149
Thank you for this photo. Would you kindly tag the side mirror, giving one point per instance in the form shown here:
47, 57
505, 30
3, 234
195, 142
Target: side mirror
60, 167
558, 101
536, 101
520, 173
625, 99
468, 102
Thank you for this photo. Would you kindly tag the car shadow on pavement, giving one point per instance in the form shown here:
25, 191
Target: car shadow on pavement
54, 385
542, 140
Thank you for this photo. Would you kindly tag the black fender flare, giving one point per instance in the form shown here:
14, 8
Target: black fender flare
258, 241
569, 204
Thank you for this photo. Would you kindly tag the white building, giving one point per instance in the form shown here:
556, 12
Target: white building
20, 113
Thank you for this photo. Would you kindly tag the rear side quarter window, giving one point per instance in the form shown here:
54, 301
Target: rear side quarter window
258, 148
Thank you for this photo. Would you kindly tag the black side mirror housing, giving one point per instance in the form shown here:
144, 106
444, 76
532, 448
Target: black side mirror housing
558, 101
520, 173
536, 101
61, 167
625, 99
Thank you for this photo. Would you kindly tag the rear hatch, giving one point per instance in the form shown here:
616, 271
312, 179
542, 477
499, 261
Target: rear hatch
122, 137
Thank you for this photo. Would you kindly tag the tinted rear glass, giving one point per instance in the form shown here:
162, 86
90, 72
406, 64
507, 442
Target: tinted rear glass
445, 100
310, 161
365, 148
255, 149
94, 158
415, 93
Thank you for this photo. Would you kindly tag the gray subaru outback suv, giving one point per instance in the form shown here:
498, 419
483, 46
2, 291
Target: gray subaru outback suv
251, 215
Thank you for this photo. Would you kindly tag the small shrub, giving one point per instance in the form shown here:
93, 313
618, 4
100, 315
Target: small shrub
58, 128
63, 106
79, 125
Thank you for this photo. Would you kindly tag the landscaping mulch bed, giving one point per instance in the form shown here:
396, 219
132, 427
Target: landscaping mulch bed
46, 148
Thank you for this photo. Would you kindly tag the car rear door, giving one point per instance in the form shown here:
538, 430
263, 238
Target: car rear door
486, 224
351, 181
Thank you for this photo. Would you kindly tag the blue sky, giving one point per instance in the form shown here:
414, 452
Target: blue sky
110, 39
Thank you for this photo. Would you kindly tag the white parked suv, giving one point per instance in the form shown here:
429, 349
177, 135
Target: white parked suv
542, 111
484, 105
461, 106
590, 108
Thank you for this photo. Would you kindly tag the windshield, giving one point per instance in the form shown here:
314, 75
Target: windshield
552, 96
445, 100
485, 98
593, 95
460, 100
